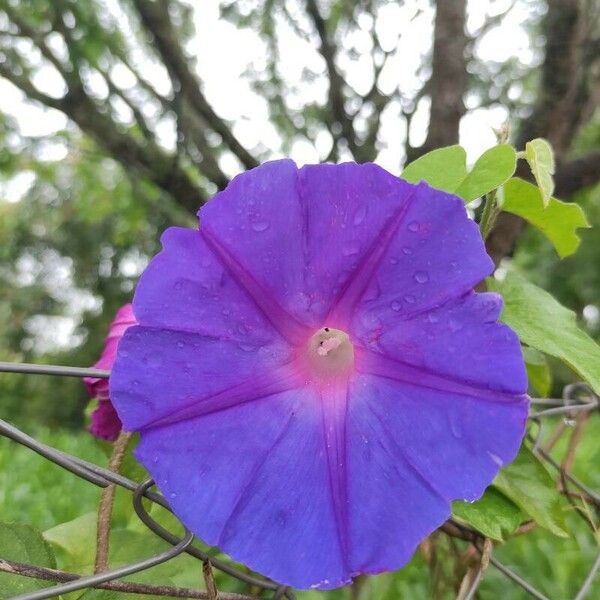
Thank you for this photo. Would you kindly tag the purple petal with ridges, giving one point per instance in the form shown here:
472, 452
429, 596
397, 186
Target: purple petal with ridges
440, 340
437, 255
454, 440
187, 288
160, 372
392, 507
259, 480
307, 481
351, 213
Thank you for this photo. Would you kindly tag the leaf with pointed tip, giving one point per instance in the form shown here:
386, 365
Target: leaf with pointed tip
541, 322
559, 221
494, 515
443, 168
529, 485
492, 169
540, 156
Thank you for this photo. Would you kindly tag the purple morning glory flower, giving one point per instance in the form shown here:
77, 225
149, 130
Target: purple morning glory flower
105, 422
313, 377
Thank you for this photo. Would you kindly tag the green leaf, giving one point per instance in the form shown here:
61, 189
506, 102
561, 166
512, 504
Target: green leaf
22, 543
540, 156
543, 323
527, 483
538, 371
443, 168
494, 515
446, 169
492, 169
77, 538
559, 221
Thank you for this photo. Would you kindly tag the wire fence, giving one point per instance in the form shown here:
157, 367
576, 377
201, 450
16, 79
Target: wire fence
575, 407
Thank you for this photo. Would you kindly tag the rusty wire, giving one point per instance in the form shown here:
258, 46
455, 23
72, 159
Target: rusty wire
578, 399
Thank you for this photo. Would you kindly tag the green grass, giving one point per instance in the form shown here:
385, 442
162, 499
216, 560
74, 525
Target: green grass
35, 491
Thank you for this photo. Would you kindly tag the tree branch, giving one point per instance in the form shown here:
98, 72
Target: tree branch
336, 81
449, 75
156, 19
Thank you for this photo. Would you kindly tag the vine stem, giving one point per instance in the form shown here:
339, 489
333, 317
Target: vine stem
489, 214
130, 587
105, 509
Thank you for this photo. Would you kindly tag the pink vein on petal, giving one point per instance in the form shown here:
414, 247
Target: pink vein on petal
257, 387
334, 406
351, 293
374, 363
289, 328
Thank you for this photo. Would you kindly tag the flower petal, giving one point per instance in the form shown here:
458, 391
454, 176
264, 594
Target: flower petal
391, 505
454, 441
460, 340
436, 255
332, 217
187, 288
162, 373
254, 480
105, 422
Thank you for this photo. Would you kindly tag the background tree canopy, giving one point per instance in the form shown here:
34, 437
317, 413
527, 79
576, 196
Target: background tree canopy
120, 117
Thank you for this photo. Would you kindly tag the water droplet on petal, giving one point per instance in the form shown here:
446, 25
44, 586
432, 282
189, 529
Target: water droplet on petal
421, 277
413, 226
455, 325
351, 248
180, 344
396, 305
260, 226
456, 427
359, 215
432, 318
496, 459
406, 250
246, 347
410, 299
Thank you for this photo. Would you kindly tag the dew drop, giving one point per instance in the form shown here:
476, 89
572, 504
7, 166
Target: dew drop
396, 305
432, 318
455, 325
359, 215
406, 250
456, 428
180, 344
421, 277
410, 299
351, 248
496, 459
260, 226
413, 226
246, 347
